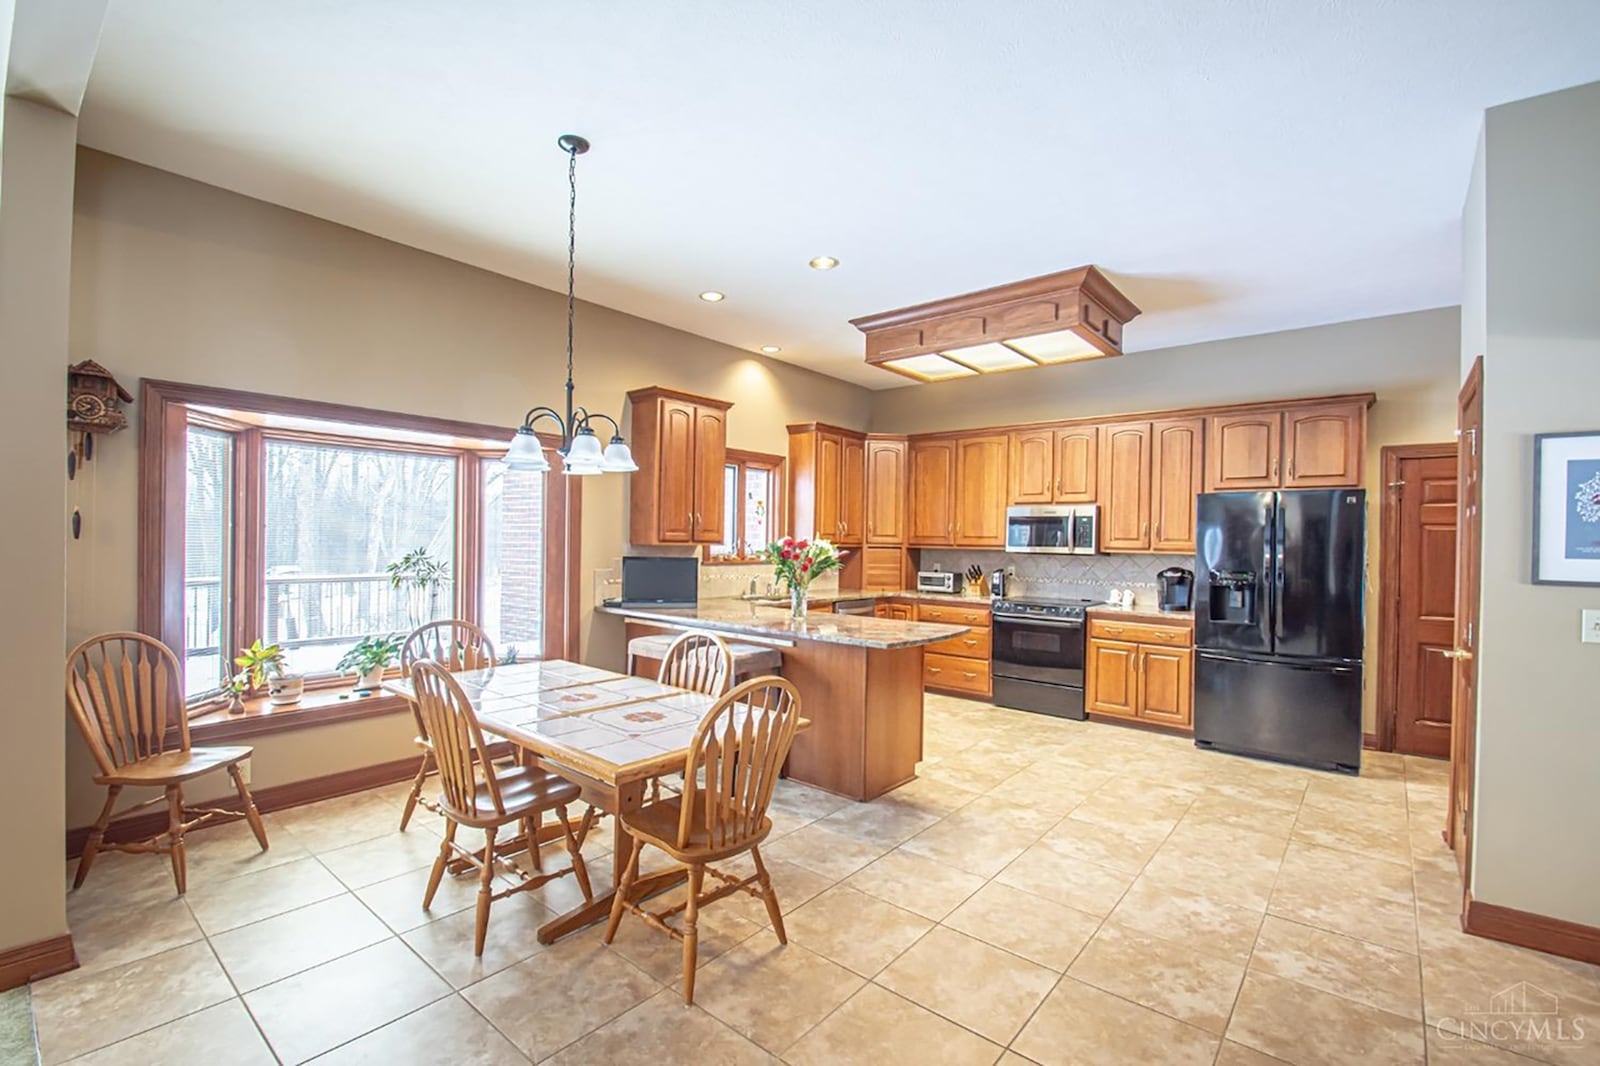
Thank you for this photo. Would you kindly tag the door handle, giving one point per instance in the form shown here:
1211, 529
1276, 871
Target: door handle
1457, 654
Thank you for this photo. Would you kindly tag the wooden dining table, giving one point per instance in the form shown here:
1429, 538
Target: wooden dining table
606, 732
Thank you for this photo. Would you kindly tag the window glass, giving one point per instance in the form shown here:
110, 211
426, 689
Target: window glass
208, 491
512, 597
758, 496
730, 513
336, 518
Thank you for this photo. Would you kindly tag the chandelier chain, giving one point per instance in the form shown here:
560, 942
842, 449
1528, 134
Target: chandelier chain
572, 249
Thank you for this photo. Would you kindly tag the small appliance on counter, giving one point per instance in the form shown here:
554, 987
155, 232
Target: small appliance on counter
937, 581
997, 583
1176, 588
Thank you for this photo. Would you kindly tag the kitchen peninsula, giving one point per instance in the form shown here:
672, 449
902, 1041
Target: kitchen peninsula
860, 682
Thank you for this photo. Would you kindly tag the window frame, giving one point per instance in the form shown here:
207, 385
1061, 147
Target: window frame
744, 461
166, 412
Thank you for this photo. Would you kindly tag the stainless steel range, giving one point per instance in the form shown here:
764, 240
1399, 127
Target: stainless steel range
1039, 654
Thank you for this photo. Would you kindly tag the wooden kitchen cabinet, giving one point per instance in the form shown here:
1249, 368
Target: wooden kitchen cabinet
900, 612
679, 441
1323, 446
827, 483
1176, 478
886, 490
931, 506
960, 664
1303, 446
1053, 465
1143, 671
980, 491
1125, 487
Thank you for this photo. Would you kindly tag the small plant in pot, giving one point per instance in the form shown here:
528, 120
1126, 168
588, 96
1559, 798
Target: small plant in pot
265, 665
368, 659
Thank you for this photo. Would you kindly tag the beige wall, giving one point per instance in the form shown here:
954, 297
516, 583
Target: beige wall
175, 279
1538, 797
1408, 360
36, 163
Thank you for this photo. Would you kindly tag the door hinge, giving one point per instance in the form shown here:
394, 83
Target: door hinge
1397, 486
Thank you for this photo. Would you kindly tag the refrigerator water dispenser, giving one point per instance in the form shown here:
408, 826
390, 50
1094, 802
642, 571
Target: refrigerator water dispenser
1233, 598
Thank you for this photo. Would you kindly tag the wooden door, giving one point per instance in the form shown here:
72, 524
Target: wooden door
852, 491
900, 612
1166, 685
1125, 487
1243, 451
710, 455
933, 476
676, 472
1032, 469
1421, 536
886, 492
1322, 446
1176, 478
830, 469
1077, 456
1112, 680
980, 496
1469, 568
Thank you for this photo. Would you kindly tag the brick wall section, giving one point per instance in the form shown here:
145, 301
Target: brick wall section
521, 563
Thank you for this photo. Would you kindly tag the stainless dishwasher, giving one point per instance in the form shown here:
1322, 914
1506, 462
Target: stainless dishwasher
866, 606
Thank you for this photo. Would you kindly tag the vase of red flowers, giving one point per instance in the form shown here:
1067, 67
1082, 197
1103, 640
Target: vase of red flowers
797, 563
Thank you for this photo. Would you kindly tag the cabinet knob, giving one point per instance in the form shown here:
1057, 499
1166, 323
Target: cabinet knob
1274, 469
1291, 469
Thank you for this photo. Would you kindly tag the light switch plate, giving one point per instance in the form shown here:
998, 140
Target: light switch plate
1591, 627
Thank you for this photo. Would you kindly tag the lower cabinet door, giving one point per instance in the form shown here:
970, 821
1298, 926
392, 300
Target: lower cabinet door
1113, 679
1166, 685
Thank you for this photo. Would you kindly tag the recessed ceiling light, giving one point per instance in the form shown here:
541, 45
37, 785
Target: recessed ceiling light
771, 349
712, 296
824, 262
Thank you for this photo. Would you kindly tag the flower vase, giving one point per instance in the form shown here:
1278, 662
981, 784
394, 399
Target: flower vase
797, 603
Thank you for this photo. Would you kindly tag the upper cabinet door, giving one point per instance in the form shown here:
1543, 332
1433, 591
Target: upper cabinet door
1125, 487
852, 490
981, 491
830, 467
886, 492
710, 455
1077, 459
1322, 446
1243, 451
1032, 466
933, 476
1176, 477
676, 471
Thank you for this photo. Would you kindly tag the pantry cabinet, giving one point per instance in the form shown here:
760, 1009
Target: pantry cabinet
679, 441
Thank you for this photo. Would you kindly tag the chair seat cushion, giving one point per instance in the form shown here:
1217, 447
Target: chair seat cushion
174, 766
524, 790
657, 823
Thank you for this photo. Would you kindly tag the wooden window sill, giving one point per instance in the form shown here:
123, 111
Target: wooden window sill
318, 707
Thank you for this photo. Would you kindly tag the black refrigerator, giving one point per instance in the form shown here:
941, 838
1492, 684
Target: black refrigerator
1278, 624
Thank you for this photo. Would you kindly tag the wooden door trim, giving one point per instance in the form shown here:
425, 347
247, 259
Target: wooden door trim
1391, 457
1460, 837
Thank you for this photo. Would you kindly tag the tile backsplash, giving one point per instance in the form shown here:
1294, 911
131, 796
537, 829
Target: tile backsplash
1087, 576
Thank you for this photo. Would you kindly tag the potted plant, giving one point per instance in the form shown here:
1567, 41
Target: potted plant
368, 659
420, 576
797, 563
265, 664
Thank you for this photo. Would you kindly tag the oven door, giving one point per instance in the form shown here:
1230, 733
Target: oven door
1044, 534
1038, 649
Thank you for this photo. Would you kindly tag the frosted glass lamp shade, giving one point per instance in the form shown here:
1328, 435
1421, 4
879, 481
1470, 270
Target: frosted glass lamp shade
618, 458
526, 453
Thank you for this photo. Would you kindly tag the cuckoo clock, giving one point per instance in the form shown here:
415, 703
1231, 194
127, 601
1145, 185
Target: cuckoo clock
94, 405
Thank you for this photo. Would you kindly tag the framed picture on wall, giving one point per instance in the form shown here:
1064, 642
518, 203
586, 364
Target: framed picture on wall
1566, 508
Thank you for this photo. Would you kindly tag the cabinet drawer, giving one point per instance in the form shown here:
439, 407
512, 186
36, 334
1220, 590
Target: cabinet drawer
956, 674
973, 644
953, 614
1141, 633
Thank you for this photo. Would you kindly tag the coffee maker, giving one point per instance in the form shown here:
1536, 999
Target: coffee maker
1177, 588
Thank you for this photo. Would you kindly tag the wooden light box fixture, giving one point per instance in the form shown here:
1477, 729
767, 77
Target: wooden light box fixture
1066, 317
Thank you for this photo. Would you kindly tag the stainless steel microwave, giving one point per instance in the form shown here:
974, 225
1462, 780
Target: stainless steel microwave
1057, 530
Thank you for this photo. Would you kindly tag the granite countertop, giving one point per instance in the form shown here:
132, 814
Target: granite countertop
1143, 612
828, 599
749, 619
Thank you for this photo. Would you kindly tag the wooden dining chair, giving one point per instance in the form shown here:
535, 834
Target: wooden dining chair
477, 794
456, 645
701, 662
733, 765
125, 691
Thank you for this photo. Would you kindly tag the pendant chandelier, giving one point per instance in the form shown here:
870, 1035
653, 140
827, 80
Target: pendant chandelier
580, 449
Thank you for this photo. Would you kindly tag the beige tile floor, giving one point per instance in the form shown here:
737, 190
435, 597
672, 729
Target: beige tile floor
1047, 891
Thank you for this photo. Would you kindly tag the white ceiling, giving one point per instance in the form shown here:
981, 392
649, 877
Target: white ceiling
1237, 166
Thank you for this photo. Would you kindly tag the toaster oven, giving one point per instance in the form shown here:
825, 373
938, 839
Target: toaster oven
936, 581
